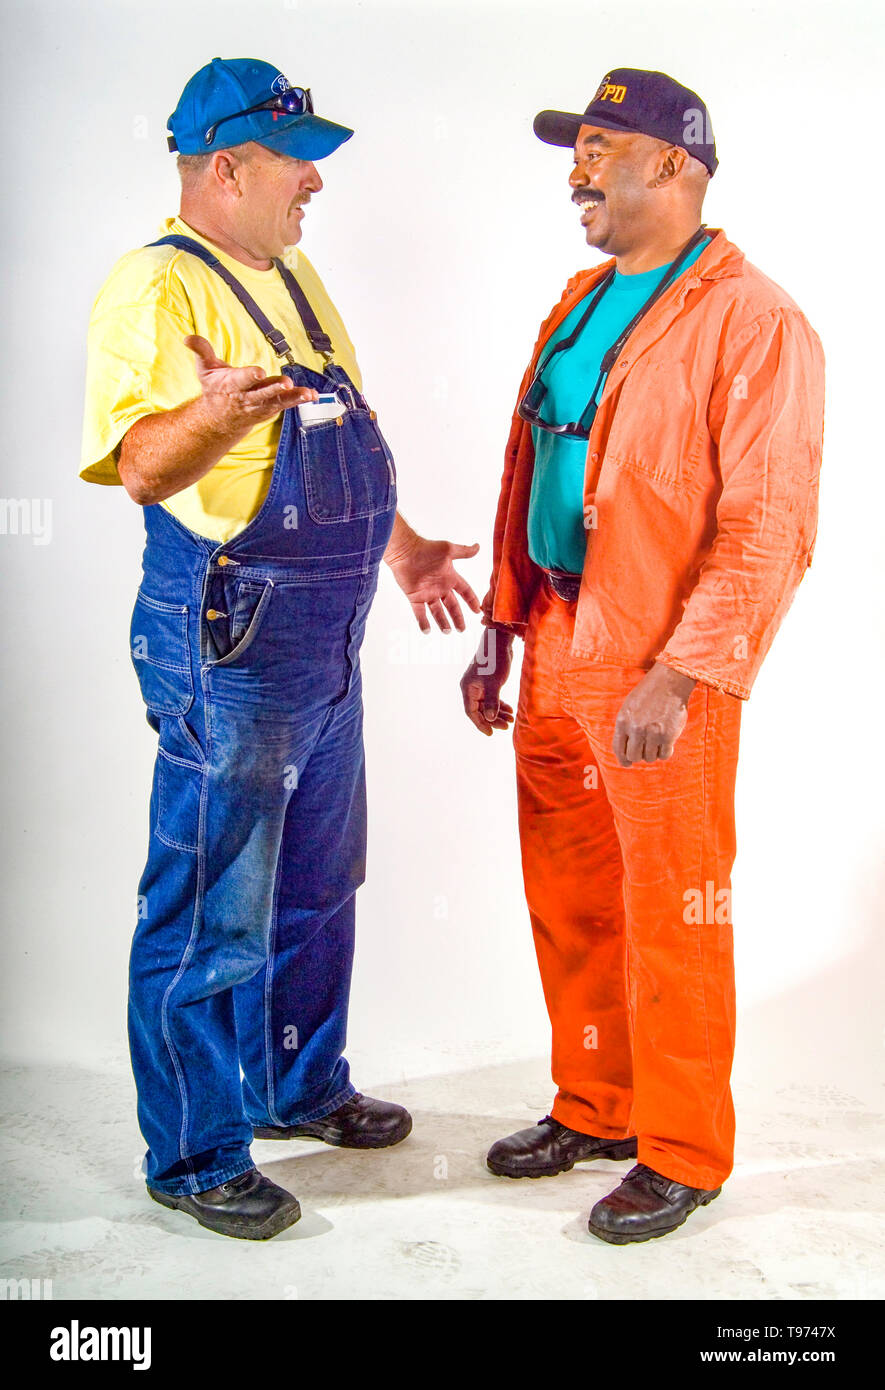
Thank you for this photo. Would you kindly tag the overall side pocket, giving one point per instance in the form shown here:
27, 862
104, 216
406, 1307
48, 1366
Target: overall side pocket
179, 783
158, 644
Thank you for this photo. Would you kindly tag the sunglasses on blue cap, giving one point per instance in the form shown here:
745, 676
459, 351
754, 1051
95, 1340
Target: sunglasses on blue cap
296, 101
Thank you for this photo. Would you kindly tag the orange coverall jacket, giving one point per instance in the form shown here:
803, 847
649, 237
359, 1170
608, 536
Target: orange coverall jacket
701, 483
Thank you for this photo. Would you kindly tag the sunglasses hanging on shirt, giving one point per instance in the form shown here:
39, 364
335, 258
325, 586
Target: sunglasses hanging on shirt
529, 408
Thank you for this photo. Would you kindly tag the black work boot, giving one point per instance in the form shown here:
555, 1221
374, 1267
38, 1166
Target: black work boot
549, 1148
646, 1205
249, 1207
360, 1123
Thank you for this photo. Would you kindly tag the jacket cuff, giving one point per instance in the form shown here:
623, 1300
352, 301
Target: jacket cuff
512, 629
742, 692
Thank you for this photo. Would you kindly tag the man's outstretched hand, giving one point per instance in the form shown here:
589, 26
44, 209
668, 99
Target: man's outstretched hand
425, 572
244, 394
169, 450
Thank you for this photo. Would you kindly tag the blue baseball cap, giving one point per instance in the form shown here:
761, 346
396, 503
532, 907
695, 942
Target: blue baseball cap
234, 100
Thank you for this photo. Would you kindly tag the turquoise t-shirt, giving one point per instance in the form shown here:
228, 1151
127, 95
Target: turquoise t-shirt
557, 537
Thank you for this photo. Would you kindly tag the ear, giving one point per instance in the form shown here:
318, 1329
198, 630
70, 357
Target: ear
224, 171
671, 161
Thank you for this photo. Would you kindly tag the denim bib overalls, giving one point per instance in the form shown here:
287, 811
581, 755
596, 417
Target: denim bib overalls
247, 654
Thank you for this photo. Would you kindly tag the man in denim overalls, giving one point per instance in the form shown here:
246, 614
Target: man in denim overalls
269, 502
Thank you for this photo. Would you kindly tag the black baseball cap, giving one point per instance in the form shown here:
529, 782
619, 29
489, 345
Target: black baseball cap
647, 103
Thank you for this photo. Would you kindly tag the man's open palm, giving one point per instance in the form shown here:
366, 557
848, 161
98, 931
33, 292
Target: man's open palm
248, 391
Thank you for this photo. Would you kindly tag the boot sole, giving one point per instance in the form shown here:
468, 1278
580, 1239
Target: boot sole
616, 1151
619, 1238
238, 1227
385, 1141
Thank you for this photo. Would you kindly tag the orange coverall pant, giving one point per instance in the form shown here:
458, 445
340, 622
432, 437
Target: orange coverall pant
627, 882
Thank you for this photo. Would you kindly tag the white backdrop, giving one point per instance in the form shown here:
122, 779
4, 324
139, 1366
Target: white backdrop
444, 234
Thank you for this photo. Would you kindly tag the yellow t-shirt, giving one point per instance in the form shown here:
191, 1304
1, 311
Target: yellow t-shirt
138, 364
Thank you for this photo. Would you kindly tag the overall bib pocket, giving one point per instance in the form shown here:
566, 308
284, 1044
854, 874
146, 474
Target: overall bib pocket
348, 468
158, 644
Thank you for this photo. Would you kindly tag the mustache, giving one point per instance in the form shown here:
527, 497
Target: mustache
581, 196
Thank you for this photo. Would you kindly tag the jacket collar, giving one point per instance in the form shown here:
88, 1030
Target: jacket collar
719, 259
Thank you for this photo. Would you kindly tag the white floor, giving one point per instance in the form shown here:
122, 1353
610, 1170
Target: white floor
800, 1218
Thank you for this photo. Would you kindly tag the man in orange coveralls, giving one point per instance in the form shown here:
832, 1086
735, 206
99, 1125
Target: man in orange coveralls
657, 512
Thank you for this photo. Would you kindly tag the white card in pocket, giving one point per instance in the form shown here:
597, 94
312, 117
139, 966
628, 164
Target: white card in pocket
328, 407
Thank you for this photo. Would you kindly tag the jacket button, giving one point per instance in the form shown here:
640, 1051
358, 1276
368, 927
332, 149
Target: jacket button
223, 560
625, 363
212, 613
594, 458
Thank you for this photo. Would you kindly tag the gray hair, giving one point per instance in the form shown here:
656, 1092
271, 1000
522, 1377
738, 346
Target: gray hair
191, 167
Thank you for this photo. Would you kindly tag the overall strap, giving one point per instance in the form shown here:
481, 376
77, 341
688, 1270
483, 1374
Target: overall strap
319, 340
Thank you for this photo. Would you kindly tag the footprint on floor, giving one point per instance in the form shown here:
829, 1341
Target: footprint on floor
432, 1256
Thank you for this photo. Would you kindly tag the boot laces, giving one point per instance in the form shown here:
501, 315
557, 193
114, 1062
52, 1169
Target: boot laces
556, 1125
642, 1173
233, 1184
